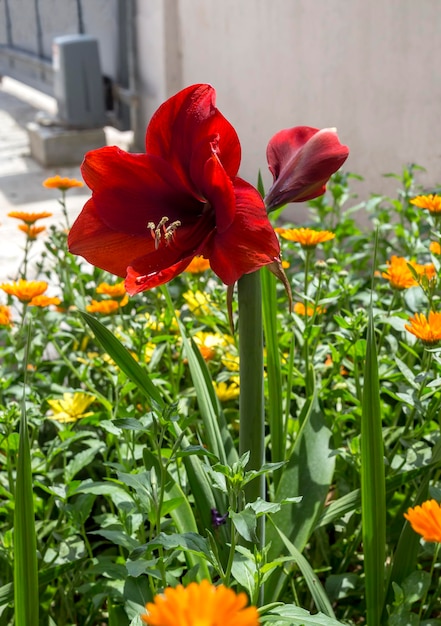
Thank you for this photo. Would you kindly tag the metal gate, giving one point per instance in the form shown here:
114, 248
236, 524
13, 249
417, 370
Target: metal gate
27, 31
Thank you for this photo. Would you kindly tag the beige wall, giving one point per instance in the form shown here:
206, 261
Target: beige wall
372, 69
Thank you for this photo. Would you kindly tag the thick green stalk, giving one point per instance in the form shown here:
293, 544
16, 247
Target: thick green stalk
273, 369
251, 402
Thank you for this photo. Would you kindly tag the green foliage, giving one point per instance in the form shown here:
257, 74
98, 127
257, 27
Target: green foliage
135, 477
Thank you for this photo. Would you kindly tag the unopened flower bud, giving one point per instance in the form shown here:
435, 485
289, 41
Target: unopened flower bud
320, 265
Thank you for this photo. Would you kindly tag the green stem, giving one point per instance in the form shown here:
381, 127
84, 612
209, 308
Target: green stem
432, 569
309, 383
251, 402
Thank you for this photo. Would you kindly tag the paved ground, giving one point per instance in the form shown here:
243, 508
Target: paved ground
21, 177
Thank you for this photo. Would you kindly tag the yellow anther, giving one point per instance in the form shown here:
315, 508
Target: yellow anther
170, 230
159, 231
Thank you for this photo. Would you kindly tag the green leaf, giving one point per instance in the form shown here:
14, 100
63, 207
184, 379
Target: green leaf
316, 590
124, 360
308, 473
416, 586
45, 578
218, 437
26, 594
118, 538
296, 616
373, 490
245, 523
406, 552
81, 459
261, 507
244, 571
187, 541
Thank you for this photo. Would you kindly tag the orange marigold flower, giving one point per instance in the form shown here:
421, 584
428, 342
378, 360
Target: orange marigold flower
43, 301
5, 315
306, 237
115, 291
431, 202
426, 520
309, 310
31, 231
106, 307
435, 247
399, 274
63, 184
427, 270
25, 290
198, 265
426, 329
29, 218
200, 604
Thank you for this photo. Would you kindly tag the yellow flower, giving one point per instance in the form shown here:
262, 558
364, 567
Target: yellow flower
115, 291
435, 247
198, 302
426, 520
153, 324
63, 184
31, 232
200, 604
428, 330
106, 307
198, 265
149, 351
309, 310
25, 290
72, 407
306, 237
208, 343
44, 301
5, 315
230, 360
29, 218
431, 202
226, 392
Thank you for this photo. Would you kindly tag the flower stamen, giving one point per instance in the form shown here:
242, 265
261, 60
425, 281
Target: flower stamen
162, 231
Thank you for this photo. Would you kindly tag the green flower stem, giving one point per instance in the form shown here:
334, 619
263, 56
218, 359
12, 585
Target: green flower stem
62, 201
251, 402
309, 382
432, 569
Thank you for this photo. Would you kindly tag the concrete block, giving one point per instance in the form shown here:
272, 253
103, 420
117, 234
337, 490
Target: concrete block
56, 146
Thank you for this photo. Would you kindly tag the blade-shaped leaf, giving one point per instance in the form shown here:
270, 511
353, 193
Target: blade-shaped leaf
308, 474
373, 491
124, 360
316, 590
26, 596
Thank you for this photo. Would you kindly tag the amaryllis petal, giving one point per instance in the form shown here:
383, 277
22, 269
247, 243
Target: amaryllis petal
151, 213
251, 236
136, 283
103, 247
218, 187
186, 119
302, 159
117, 178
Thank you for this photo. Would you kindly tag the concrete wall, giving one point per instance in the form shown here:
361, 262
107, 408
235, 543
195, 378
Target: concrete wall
372, 69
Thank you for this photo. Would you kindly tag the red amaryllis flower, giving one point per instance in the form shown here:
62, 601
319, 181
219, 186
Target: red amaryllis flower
151, 214
301, 160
